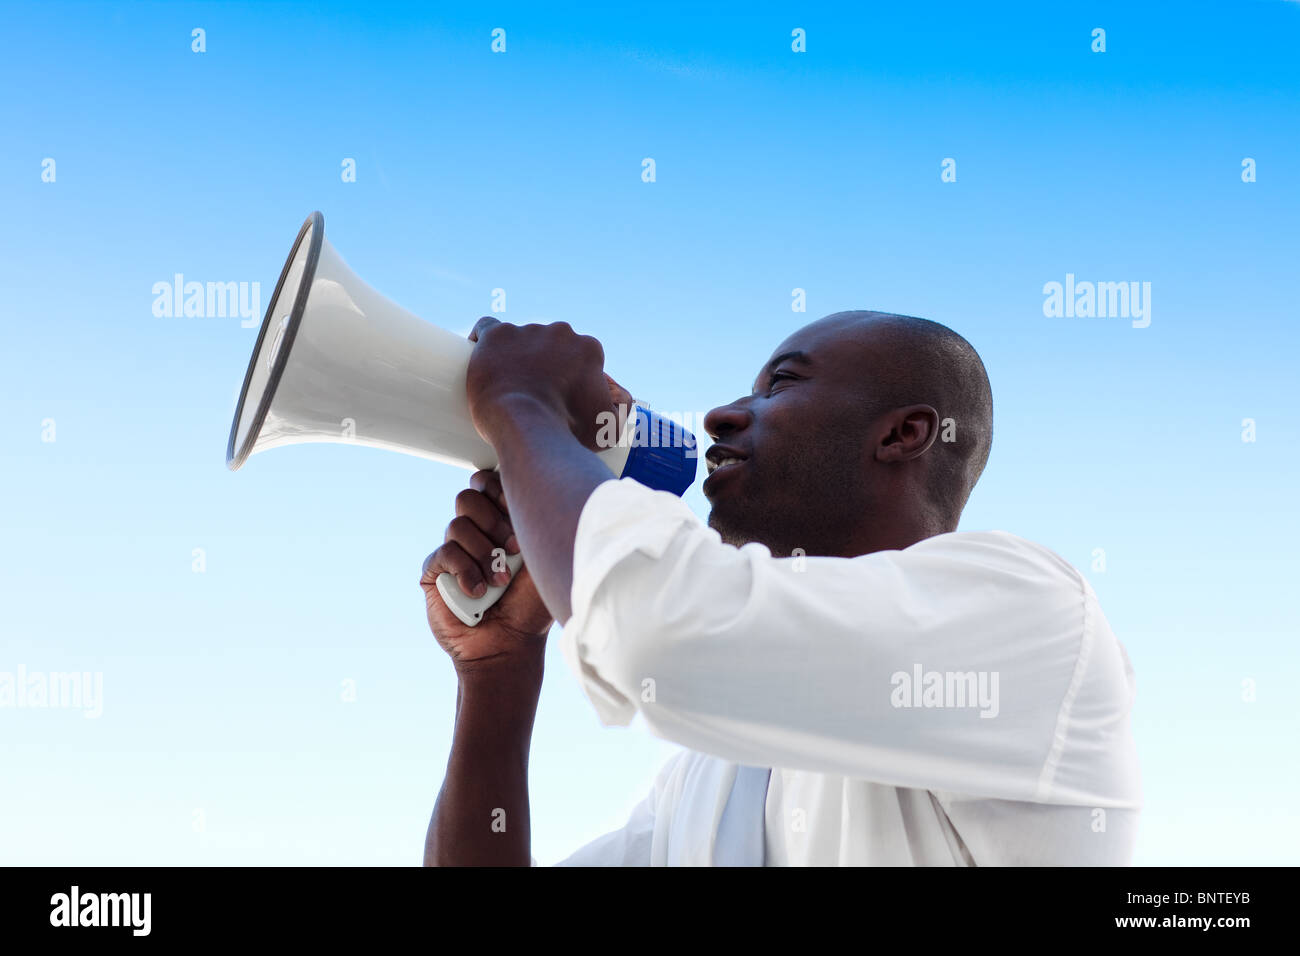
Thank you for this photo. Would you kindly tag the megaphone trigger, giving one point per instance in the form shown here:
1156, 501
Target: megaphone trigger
470, 610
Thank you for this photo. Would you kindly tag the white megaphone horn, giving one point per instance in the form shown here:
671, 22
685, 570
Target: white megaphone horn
335, 361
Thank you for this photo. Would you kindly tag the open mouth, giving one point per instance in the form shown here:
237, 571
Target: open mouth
721, 458
713, 465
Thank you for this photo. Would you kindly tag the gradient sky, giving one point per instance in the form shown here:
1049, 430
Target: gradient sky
224, 738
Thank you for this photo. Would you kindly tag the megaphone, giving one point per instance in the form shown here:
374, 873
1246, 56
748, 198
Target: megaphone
335, 361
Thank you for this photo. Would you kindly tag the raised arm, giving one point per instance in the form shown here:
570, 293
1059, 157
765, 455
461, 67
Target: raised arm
482, 815
482, 812
537, 393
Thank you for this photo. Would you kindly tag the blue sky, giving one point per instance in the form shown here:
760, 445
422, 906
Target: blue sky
224, 738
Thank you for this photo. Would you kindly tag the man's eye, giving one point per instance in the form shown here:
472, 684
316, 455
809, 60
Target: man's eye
779, 377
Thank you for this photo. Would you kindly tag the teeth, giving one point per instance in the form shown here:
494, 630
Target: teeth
714, 466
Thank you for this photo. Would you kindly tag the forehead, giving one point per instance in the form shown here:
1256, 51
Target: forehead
831, 343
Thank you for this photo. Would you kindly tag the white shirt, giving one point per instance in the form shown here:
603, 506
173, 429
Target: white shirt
960, 702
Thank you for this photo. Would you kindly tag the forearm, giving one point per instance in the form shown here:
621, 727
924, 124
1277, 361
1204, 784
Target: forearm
481, 817
548, 476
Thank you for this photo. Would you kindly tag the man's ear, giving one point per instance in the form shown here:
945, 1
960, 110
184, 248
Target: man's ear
908, 433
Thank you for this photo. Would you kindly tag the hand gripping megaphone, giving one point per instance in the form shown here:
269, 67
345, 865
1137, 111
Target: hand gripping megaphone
335, 361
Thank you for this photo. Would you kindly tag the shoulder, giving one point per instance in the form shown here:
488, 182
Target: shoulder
999, 556
998, 546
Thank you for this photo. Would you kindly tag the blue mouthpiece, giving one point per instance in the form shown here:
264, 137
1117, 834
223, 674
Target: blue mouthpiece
664, 455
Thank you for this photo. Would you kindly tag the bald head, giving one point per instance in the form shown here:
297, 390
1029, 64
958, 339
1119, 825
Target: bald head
911, 361
864, 431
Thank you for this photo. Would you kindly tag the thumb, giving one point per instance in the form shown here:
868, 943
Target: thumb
481, 326
618, 394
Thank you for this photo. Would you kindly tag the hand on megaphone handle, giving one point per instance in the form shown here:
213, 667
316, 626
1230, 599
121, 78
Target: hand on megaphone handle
466, 592
551, 364
475, 542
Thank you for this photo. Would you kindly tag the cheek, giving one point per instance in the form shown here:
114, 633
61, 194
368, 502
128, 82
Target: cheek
789, 452
809, 448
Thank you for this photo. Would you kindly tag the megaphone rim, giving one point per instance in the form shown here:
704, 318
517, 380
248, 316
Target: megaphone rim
235, 457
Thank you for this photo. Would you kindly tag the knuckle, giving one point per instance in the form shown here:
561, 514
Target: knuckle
449, 557
485, 485
459, 526
488, 327
430, 564
459, 563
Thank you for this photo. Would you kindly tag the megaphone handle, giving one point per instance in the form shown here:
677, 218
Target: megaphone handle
470, 610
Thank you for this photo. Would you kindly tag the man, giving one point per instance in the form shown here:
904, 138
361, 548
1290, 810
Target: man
856, 682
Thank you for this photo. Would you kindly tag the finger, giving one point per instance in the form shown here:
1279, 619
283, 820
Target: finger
480, 509
480, 547
488, 482
617, 393
593, 347
451, 557
481, 326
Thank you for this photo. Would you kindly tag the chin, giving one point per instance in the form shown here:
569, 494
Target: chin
731, 533
721, 526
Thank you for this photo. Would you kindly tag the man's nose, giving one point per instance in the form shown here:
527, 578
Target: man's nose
726, 420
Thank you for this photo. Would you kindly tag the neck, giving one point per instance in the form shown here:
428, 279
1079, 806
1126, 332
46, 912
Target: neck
890, 534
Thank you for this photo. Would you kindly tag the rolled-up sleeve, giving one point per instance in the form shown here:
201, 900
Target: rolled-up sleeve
817, 663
